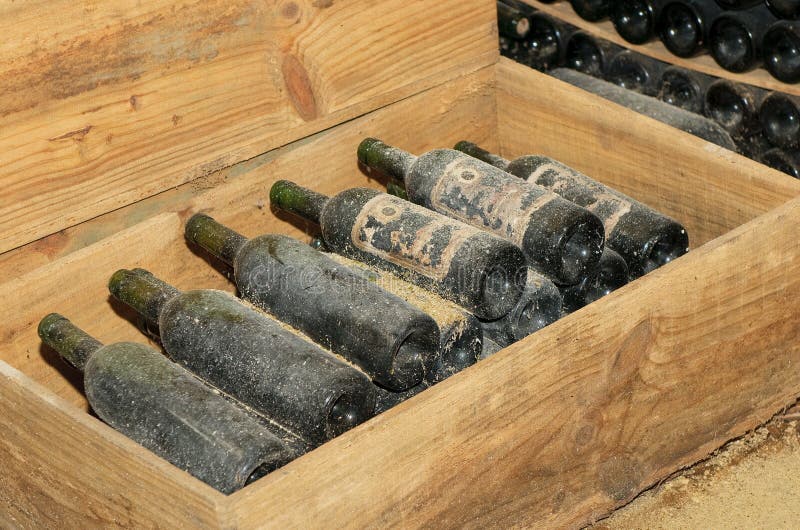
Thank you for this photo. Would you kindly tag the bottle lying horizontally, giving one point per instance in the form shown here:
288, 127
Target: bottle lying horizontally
684, 88
785, 161
734, 106
635, 20
589, 54
781, 47
539, 306
557, 236
162, 406
779, 115
611, 274
635, 72
683, 25
690, 122
645, 238
250, 356
735, 38
460, 337
546, 41
788, 9
591, 10
394, 342
470, 267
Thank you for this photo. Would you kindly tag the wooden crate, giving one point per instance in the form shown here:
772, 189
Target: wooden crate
557, 429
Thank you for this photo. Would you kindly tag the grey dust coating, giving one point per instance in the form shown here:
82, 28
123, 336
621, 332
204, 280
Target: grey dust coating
611, 274
645, 238
392, 341
557, 236
460, 339
649, 106
160, 405
684, 88
251, 357
539, 306
470, 267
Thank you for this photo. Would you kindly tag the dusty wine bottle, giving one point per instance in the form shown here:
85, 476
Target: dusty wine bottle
251, 357
735, 38
637, 72
512, 22
160, 405
645, 238
684, 88
658, 110
734, 106
782, 51
470, 267
561, 238
683, 25
589, 54
591, 10
787, 9
779, 115
611, 274
539, 306
395, 343
735, 5
546, 41
635, 20
460, 338
490, 347
785, 161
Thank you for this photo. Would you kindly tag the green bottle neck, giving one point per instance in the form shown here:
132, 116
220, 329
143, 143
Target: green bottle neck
391, 161
214, 237
480, 153
71, 343
298, 200
143, 292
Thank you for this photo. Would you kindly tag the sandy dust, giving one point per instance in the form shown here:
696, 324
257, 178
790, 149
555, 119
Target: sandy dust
752, 482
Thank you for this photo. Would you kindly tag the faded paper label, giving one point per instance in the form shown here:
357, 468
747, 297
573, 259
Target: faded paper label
408, 235
474, 193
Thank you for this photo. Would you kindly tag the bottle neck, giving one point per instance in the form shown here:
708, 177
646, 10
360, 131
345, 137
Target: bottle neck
478, 152
217, 239
391, 161
143, 292
298, 200
72, 343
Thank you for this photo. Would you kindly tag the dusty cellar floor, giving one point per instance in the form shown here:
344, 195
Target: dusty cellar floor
751, 482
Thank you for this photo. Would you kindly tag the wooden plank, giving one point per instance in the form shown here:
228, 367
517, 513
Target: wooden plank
239, 194
106, 103
702, 63
72, 280
709, 189
562, 427
65, 469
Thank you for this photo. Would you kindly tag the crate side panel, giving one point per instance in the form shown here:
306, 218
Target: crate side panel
709, 189
106, 103
65, 469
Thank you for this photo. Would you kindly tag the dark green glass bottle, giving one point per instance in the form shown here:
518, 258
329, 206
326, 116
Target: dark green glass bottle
160, 405
470, 267
539, 306
250, 356
392, 341
611, 274
557, 236
645, 238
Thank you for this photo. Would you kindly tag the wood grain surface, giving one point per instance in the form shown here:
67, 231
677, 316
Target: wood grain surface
103, 104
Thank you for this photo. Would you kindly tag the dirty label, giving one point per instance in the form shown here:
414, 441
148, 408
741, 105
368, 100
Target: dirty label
609, 206
408, 235
474, 193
